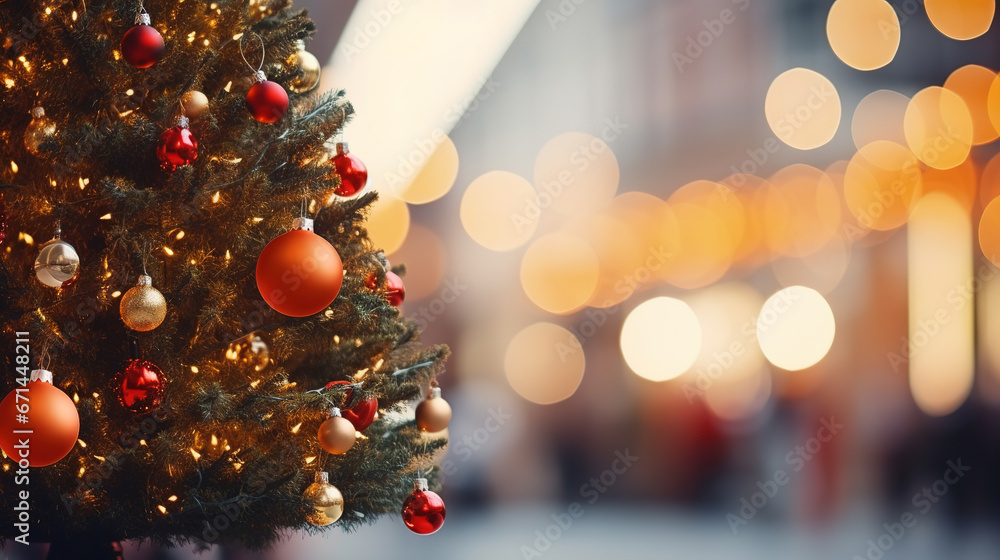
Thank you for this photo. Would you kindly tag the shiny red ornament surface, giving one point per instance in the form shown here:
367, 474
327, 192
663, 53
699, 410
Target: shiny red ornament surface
177, 147
299, 273
52, 419
395, 292
140, 386
362, 414
352, 171
142, 46
423, 512
267, 101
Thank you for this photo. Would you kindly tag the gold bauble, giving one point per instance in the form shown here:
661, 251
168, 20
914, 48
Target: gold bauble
143, 307
434, 413
251, 350
194, 103
307, 62
336, 434
327, 502
40, 130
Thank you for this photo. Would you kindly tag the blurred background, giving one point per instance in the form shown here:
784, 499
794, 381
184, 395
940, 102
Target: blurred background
715, 273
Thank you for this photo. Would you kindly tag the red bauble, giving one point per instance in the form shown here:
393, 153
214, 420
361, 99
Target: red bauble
52, 419
177, 147
299, 273
351, 170
140, 386
267, 101
423, 510
142, 46
362, 414
394, 290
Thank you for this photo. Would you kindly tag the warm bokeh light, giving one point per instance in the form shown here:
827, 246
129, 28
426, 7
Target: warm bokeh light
437, 176
742, 398
863, 33
989, 181
576, 173
796, 328
940, 349
822, 270
388, 223
752, 193
634, 238
801, 211
938, 127
879, 116
961, 19
559, 273
544, 363
705, 251
972, 83
500, 211
717, 198
729, 349
803, 108
881, 184
661, 339
426, 260
989, 232
988, 319
959, 182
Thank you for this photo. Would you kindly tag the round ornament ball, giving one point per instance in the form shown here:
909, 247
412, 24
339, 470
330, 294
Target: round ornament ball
40, 130
423, 511
57, 264
395, 292
310, 67
52, 419
140, 386
143, 307
142, 46
352, 171
194, 103
434, 413
327, 502
336, 434
299, 273
361, 414
267, 101
177, 146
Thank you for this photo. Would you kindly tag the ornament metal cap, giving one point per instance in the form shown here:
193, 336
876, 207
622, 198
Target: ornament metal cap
420, 484
322, 477
303, 223
144, 280
334, 412
300, 44
434, 393
342, 148
259, 77
43, 375
142, 18
182, 121
38, 112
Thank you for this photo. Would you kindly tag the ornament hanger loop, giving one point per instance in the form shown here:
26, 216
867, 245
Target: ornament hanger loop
260, 67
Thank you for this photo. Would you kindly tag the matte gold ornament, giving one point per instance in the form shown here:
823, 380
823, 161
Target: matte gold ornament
194, 103
310, 67
327, 502
434, 414
40, 130
57, 264
143, 307
336, 434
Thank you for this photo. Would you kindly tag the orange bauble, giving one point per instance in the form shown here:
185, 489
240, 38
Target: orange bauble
299, 273
336, 435
52, 420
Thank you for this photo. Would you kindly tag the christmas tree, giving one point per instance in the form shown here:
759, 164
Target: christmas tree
172, 142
